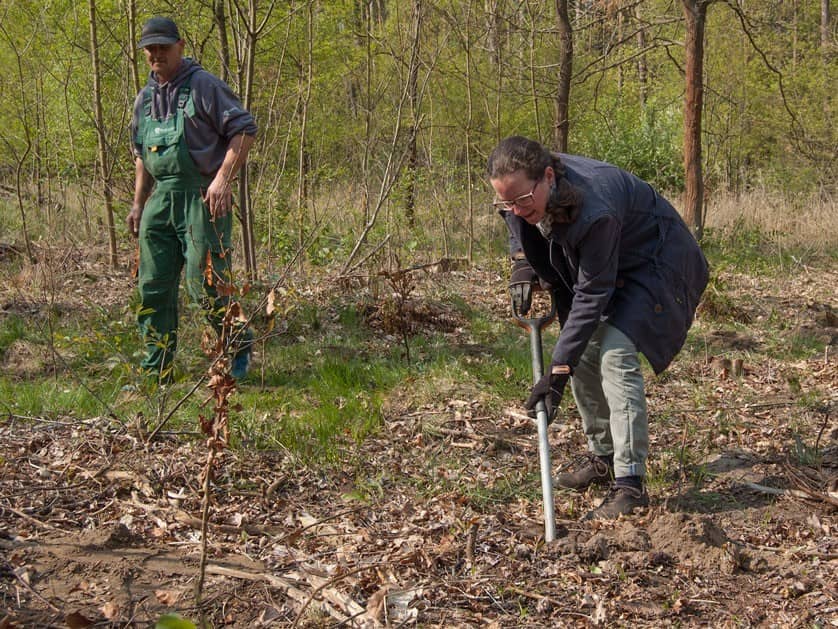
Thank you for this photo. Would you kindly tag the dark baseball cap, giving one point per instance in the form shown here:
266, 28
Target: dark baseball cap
159, 30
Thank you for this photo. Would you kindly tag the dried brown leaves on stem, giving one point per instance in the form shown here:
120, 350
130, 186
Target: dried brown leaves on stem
216, 427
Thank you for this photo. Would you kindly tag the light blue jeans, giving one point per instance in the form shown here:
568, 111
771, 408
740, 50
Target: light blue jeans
608, 387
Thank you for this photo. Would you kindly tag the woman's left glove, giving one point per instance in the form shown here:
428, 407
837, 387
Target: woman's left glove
521, 282
550, 388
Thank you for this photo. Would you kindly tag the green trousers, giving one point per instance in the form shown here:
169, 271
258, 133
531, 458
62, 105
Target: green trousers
176, 231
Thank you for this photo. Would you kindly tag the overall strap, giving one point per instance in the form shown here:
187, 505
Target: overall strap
183, 93
147, 101
183, 96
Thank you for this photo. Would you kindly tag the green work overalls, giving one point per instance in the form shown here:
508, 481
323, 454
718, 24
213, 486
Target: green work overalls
176, 228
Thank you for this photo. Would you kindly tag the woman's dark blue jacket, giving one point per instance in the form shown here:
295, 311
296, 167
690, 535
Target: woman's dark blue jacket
628, 259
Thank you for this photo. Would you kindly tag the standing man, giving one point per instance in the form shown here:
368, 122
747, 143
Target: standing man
191, 136
627, 275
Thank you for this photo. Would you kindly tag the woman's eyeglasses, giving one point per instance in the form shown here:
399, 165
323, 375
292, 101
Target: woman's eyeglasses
524, 201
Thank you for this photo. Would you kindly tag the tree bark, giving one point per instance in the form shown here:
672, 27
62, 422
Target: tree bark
104, 168
642, 68
469, 122
220, 18
562, 122
248, 236
695, 16
131, 49
413, 131
306, 79
826, 19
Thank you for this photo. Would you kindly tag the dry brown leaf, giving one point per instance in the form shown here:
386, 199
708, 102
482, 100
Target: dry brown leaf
110, 610
167, 597
225, 289
77, 621
208, 268
375, 604
270, 306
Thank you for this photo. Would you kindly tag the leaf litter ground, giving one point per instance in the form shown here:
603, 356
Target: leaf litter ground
436, 521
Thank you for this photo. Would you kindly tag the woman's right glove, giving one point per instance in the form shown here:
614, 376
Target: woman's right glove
521, 285
550, 388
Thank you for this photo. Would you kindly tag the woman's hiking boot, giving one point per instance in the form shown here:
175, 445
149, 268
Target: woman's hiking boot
619, 501
590, 469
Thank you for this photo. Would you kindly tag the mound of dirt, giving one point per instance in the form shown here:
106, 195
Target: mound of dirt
690, 539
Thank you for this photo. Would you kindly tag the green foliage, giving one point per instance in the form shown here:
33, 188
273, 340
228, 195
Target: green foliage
645, 142
12, 328
47, 397
745, 247
483, 72
173, 621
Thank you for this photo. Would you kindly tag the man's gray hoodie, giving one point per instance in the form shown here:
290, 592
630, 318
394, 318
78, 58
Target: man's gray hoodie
219, 114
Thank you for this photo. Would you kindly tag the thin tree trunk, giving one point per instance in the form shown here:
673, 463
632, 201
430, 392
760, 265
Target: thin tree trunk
133, 61
695, 15
302, 161
642, 68
246, 212
104, 167
365, 160
74, 155
413, 131
826, 18
37, 174
496, 49
247, 46
469, 120
533, 38
561, 127
794, 32
220, 18
23, 102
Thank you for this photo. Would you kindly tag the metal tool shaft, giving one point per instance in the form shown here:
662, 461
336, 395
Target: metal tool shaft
543, 442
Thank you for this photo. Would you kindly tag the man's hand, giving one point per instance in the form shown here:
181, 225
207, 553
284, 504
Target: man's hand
133, 220
550, 388
521, 284
219, 197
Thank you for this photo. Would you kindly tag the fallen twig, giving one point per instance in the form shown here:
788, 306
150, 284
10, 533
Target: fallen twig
10, 569
284, 585
807, 491
35, 521
775, 491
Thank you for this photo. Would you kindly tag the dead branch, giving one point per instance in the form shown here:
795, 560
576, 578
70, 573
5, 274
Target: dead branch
284, 585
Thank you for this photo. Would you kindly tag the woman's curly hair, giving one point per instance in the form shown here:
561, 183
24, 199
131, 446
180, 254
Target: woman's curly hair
519, 153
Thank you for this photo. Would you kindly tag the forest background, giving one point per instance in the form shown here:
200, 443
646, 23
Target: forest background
376, 116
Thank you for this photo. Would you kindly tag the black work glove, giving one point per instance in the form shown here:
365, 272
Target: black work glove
550, 388
521, 285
